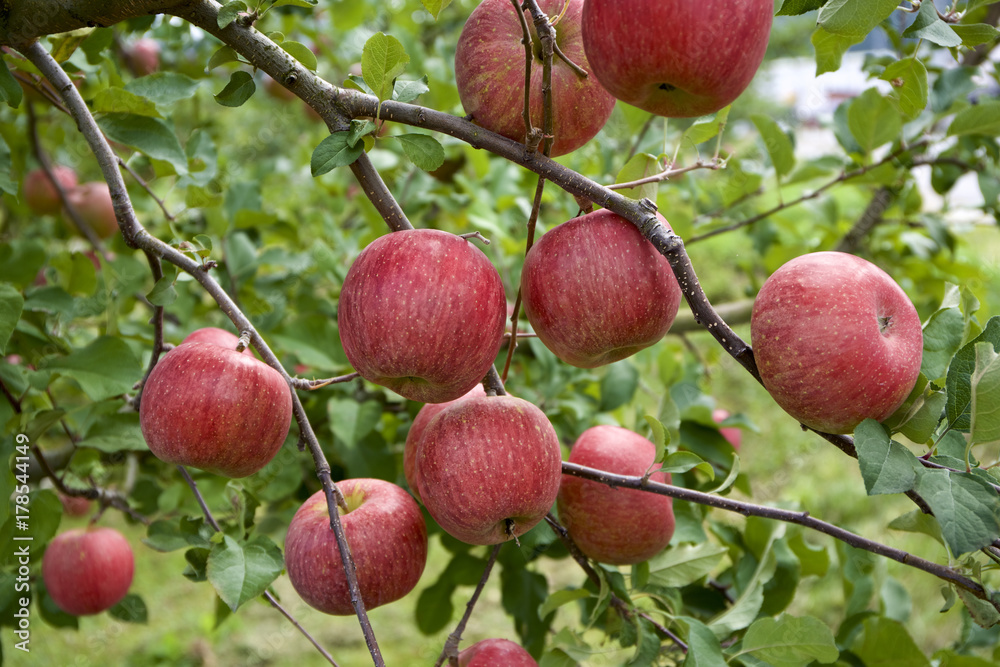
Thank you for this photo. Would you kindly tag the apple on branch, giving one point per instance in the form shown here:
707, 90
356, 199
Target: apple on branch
488, 468
39, 192
733, 435
836, 341
596, 291
385, 529
88, 570
676, 58
421, 312
490, 74
495, 653
216, 336
213, 408
94, 204
615, 526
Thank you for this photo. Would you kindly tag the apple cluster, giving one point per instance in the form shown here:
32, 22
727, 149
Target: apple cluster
91, 200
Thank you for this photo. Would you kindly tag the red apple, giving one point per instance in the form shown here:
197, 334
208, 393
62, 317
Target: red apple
388, 539
595, 291
422, 312
74, 506
93, 202
836, 341
210, 407
40, 194
216, 336
489, 72
416, 434
494, 653
615, 526
144, 57
488, 468
88, 570
676, 58
732, 434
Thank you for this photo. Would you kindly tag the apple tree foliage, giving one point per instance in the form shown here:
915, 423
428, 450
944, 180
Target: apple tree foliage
236, 183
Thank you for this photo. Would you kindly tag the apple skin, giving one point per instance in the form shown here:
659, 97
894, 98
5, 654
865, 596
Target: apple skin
615, 526
733, 435
144, 56
595, 291
422, 313
216, 336
486, 463
40, 194
494, 653
416, 433
489, 73
836, 341
212, 408
88, 570
74, 506
94, 204
388, 538
676, 58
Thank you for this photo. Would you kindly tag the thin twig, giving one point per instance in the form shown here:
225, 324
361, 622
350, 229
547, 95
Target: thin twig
450, 650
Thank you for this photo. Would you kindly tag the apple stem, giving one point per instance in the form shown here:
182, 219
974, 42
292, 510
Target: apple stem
244, 341
475, 235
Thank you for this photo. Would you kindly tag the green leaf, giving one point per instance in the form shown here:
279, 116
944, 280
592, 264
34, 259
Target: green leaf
982, 612
295, 3
435, 7
10, 90
647, 644
706, 127
681, 462
11, 304
334, 152
223, 55
974, 34
909, 85
523, 592
382, 60
560, 598
131, 609
240, 88
41, 526
164, 292
642, 165
873, 120
966, 507
830, 49
618, 385
229, 12
302, 53
918, 522
923, 413
983, 118
959, 382
169, 535
423, 150
928, 25
659, 436
745, 608
790, 641
682, 565
115, 99
777, 142
240, 572
886, 465
951, 85
164, 88
151, 136
886, 643
943, 334
854, 18
704, 649
814, 560
985, 386
116, 433
358, 129
798, 7
434, 608
407, 91
105, 368
351, 421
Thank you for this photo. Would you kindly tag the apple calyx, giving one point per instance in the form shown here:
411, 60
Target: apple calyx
352, 501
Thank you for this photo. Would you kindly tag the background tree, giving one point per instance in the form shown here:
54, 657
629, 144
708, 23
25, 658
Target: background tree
788, 553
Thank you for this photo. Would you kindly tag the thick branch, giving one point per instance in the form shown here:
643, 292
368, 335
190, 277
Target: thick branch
22, 22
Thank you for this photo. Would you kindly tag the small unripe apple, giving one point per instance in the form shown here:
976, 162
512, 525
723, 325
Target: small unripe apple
88, 570
836, 341
495, 653
144, 56
610, 525
213, 408
488, 468
385, 529
40, 194
596, 291
93, 202
75, 506
216, 336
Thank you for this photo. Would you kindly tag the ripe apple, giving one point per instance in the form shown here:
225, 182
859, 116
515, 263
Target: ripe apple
595, 291
732, 434
676, 58
93, 202
615, 526
489, 72
416, 433
836, 341
422, 312
88, 570
39, 192
216, 336
488, 468
495, 652
74, 506
144, 57
210, 407
385, 530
